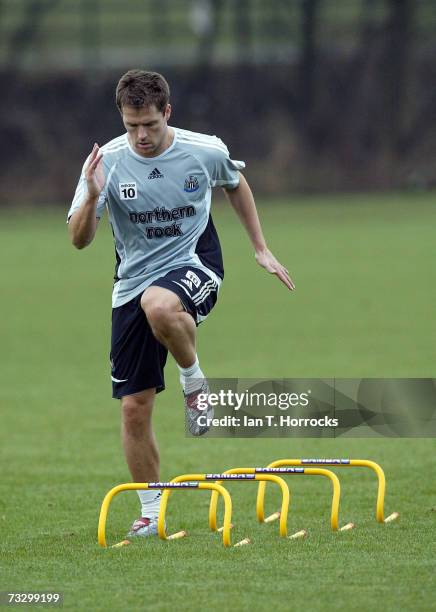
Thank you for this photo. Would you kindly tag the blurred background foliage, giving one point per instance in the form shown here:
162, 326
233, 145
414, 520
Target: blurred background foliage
316, 95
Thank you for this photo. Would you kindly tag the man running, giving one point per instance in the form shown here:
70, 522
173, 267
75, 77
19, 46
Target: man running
156, 182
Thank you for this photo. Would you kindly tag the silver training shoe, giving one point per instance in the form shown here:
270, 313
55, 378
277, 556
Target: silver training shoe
193, 411
143, 527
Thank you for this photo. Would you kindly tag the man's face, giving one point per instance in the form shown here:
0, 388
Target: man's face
147, 128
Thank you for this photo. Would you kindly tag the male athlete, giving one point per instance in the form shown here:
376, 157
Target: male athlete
156, 183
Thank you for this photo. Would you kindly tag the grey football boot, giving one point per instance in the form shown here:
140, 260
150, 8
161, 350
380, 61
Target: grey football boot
143, 527
193, 411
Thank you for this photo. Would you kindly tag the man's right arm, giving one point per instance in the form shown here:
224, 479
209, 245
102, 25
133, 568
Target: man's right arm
83, 222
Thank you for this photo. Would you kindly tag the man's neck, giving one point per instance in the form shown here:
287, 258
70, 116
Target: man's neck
166, 143
168, 140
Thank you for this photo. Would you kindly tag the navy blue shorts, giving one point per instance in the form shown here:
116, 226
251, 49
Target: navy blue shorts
137, 358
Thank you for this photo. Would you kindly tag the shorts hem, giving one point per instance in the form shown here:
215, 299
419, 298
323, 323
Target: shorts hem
137, 389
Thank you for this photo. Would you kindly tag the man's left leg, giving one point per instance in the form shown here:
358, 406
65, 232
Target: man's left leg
171, 324
176, 330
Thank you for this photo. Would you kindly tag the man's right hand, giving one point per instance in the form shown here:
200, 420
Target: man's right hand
94, 173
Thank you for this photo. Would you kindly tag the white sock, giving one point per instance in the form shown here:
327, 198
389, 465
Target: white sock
150, 503
191, 378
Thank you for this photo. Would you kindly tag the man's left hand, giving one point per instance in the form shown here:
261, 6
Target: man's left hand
267, 260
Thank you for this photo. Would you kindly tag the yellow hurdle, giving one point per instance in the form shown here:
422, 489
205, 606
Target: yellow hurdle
336, 463
260, 473
238, 474
168, 487
289, 471
272, 473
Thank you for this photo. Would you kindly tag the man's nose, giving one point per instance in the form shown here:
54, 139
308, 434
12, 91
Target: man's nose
142, 133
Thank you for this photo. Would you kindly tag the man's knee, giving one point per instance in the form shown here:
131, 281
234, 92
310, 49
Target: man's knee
137, 409
160, 307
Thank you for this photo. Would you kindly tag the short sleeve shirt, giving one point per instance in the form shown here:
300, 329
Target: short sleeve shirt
159, 208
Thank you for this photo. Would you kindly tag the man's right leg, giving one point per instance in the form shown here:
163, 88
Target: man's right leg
137, 361
140, 447
142, 456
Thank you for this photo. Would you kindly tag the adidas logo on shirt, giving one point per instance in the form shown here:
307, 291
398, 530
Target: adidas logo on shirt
154, 174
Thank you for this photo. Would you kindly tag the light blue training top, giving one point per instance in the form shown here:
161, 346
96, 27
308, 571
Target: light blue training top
159, 208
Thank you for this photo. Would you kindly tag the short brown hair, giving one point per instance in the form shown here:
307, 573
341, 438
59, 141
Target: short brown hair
141, 88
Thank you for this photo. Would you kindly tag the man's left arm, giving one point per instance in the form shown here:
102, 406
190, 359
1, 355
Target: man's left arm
242, 201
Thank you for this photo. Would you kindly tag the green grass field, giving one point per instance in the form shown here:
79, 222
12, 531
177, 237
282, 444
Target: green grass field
364, 306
